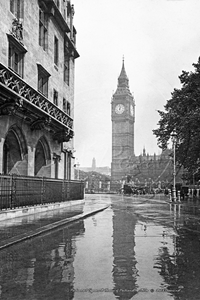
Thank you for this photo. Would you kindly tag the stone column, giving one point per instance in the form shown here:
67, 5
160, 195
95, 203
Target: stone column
1, 154
31, 160
56, 159
52, 166
61, 166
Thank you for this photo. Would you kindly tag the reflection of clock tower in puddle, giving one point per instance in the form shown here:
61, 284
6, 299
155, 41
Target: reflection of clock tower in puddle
123, 118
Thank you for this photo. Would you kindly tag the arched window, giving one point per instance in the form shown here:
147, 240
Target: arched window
14, 151
42, 157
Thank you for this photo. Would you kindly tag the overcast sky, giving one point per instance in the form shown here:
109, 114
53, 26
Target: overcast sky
158, 38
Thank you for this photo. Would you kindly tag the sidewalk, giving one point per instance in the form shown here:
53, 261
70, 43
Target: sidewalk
19, 229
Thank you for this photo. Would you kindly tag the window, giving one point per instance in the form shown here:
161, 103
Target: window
56, 51
16, 59
68, 8
55, 97
68, 108
43, 30
64, 105
43, 79
66, 66
17, 8
58, 3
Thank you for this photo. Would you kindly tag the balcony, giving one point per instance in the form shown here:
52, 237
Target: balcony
20, 99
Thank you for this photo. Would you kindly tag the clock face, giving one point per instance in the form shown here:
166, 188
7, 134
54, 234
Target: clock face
119, 109
131, 110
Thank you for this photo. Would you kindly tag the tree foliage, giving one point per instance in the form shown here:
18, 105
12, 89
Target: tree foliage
181, 118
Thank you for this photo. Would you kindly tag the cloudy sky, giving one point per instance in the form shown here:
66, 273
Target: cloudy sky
158, 39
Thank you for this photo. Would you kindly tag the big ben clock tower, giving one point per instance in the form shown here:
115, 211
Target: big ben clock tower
123, 118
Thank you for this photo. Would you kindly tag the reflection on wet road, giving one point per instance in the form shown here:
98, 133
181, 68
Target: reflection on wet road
135, 249
16, 227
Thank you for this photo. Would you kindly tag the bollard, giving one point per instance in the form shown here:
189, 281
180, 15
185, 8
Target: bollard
170, 196
189, 193
179, 196
179, 210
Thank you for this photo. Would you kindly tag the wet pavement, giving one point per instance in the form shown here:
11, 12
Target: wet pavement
137, 248
17, 227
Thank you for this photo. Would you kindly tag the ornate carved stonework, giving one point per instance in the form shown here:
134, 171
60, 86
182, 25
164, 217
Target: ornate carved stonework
63, 136
56, 157
47, 112
41, 123
17, 29
10, 107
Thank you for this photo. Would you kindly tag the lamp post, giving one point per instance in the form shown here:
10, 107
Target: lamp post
93, 184
100, 184
149, 185
77, 165
174, 169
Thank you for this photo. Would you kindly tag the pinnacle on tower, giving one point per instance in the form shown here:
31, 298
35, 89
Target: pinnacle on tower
144, 151
123, 78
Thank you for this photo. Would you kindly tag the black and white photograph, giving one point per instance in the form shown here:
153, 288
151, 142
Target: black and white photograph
99, 150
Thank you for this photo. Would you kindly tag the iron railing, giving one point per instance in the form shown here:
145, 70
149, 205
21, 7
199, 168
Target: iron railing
19, 191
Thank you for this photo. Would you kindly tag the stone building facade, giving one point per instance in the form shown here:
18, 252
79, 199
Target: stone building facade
37, 60
151, 170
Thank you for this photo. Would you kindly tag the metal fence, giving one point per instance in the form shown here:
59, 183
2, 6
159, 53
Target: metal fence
18, 191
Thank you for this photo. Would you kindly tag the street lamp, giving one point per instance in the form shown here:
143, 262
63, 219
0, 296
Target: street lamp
100, 184
174, 168
77, 165
149, 185
93, 183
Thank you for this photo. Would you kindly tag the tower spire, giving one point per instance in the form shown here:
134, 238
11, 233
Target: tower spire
123, 78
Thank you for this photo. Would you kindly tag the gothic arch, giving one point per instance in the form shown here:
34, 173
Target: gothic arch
14, 152
42, 155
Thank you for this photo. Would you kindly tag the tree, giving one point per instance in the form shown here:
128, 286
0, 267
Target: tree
181, 118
